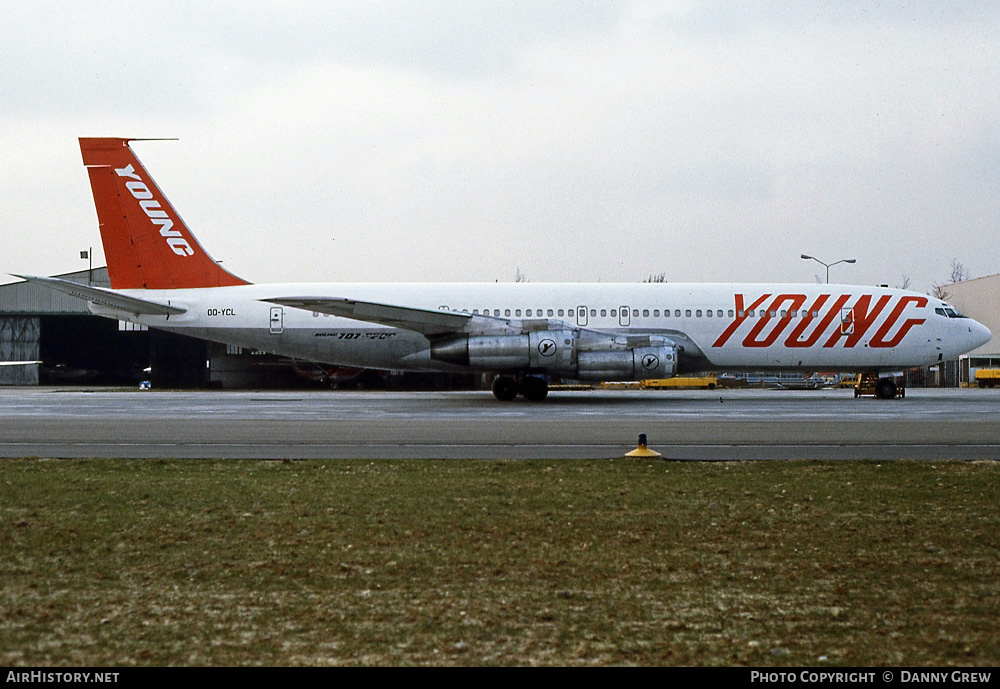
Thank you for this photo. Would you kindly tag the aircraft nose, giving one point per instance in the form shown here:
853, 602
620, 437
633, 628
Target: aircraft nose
980, 334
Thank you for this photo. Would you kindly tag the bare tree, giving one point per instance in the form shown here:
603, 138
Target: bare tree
959, 273
905, 284
659, 277
519, 275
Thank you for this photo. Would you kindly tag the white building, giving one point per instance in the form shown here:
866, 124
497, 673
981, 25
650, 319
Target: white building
979, 299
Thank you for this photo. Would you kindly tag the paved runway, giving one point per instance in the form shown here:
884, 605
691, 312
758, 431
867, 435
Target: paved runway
704, 425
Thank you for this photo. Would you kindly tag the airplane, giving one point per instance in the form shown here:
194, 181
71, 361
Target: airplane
525, 333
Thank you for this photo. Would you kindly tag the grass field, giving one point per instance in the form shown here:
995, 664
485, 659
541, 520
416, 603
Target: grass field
146, 562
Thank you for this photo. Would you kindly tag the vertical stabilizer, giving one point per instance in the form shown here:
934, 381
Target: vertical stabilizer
146, 243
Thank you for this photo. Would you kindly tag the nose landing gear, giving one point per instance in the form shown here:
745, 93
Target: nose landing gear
869, 383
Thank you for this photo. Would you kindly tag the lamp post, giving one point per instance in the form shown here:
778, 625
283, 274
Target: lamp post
89, 254
843, 260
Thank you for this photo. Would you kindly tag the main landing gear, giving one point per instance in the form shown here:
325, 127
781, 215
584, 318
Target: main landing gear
533, 388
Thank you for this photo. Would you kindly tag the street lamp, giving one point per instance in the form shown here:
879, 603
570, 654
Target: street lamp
89, 254
843, 260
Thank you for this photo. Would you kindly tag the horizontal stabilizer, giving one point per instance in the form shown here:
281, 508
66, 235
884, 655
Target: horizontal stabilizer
106, 297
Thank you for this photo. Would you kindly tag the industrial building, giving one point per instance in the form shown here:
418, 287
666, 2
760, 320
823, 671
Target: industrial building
76, 347
979, 299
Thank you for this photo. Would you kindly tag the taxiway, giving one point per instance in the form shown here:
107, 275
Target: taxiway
685, 425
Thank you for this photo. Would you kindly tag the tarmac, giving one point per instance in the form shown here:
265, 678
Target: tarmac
929, 424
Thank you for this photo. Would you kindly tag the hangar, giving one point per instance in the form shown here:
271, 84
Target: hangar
75, 346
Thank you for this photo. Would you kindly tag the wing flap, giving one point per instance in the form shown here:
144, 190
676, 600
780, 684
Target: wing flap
429, 322
423, 321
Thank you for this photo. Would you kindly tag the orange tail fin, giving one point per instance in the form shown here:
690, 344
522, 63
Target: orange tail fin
146, 243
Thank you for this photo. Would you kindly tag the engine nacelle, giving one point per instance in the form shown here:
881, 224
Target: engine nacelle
544, 349
572, 354
638, 363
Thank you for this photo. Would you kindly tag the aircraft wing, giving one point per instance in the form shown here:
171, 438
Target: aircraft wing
429, 322
106, 297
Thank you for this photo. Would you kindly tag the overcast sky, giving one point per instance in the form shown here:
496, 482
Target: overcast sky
462, 141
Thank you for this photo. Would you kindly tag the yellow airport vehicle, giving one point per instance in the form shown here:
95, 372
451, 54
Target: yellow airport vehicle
682, 382
987, 377
620, 385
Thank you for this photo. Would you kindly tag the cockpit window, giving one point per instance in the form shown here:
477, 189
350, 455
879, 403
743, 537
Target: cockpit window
948, 312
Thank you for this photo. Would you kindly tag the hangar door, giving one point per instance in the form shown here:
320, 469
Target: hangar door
19, 342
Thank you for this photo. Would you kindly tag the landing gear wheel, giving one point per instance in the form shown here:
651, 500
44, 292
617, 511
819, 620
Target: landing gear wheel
534, 389
505, 389
885, 389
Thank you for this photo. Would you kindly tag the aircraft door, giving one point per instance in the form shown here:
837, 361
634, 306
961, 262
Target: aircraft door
581, 315
624, 319
277, 320
847, 321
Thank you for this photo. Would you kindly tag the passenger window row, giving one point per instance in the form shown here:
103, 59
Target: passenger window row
636, 313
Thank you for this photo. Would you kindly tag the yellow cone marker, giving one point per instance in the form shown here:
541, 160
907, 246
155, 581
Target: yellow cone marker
642, 450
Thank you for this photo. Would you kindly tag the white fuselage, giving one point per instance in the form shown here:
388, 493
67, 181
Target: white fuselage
716, 326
